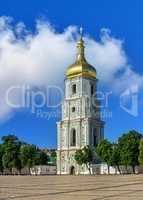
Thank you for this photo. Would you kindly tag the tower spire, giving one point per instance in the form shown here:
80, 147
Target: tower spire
81, 31
80, 47
80, 67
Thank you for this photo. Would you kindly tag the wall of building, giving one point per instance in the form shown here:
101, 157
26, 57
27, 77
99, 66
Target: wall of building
84, 120
43, 170
36, 170
103, 169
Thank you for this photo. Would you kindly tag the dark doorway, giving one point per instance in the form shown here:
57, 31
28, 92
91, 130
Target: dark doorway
72, 170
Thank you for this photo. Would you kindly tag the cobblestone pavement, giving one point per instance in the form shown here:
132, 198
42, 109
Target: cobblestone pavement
128, 187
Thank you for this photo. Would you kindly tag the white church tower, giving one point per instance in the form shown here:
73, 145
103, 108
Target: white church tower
81, 124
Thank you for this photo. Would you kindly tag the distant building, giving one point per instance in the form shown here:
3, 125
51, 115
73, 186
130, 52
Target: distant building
52, 155
103, 169
81, 124
35, 170
43, 170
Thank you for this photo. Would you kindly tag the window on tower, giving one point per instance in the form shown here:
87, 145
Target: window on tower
92, 90
73, 138
73, 88
94, 137
73, 109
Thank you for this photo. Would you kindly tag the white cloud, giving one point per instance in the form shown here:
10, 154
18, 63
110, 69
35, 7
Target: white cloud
107, 55
41, 57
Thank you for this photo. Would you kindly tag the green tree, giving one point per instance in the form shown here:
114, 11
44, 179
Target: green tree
104, 151
53, 157
115, 159
129, 148
84, 156
11, 150
41, 158
28, 155
141, 152
1, 155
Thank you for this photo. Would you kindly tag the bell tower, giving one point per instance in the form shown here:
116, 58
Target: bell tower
81, 124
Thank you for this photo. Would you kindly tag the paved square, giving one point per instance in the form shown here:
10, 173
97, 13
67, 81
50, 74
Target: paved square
128, 187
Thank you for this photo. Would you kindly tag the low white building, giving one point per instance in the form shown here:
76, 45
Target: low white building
43, 170
103, 169
36, 170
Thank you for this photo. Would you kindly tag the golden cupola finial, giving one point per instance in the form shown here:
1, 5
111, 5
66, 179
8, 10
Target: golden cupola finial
81, 66
80, 47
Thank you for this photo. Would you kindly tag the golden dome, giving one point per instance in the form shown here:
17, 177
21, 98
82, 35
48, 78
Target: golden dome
81, 66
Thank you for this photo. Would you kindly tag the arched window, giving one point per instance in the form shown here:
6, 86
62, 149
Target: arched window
73, 88
94, 137
73, 138
92, 90
73, 109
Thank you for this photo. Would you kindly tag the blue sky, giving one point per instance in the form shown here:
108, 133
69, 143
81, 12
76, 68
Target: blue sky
123, 18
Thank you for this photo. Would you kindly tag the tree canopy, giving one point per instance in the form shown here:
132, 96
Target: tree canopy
125, 152
104, 150
84, 156
129, 148
141, 152
17, 154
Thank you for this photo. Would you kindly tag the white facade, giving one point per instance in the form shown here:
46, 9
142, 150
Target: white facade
103, 169
80, 124
43, 170
35, 170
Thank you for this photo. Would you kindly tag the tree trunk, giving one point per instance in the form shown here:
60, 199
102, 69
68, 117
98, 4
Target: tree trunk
10, 170
133, 167
88, 167
126, 169
89, 170
108, 169
29, 171
118, 167
19, 171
